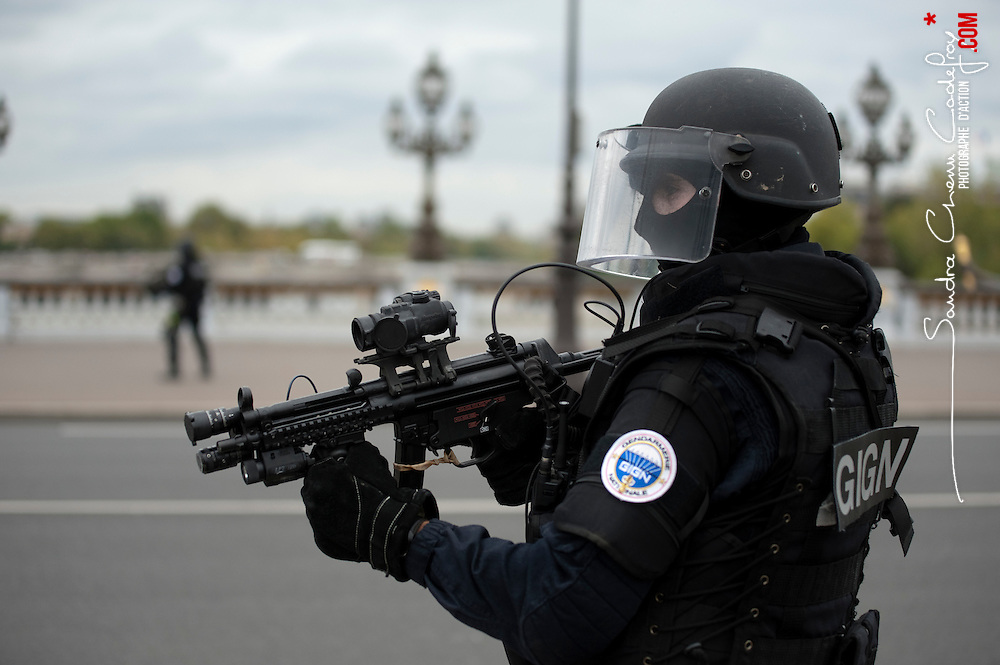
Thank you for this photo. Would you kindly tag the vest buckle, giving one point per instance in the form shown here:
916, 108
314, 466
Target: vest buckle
778, 330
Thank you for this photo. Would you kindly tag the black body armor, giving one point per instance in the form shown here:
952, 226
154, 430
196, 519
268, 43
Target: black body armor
771, 573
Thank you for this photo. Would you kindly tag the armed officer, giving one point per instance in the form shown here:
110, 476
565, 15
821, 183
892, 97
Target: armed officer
702, 524
186, 280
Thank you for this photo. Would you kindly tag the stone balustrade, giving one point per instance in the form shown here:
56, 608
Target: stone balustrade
275, 295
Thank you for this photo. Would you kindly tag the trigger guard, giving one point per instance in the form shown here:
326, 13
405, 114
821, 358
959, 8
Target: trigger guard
478, 460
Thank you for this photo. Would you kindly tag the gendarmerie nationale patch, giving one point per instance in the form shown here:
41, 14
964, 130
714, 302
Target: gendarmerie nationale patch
639, 467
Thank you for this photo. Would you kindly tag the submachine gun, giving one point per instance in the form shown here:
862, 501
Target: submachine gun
433, 402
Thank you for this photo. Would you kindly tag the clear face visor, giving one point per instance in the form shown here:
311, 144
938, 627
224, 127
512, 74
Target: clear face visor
653, 197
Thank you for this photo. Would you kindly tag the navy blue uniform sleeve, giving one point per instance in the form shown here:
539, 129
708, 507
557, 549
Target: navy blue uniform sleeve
558, 600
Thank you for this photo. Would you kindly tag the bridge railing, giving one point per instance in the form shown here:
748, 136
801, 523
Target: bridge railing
286, 299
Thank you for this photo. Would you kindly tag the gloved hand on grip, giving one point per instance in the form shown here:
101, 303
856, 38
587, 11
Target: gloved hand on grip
517, 444
358, 513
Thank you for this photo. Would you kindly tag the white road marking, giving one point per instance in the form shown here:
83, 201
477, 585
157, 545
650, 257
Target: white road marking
292, 507
215, 507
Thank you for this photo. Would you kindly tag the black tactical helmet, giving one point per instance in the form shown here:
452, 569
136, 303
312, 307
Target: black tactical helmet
726, 160
795, 158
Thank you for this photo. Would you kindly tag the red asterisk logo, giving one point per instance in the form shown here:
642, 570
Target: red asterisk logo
930, 18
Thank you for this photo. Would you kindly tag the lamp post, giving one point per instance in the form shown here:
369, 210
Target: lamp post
874, 97
432, 89
4, 122
568, 231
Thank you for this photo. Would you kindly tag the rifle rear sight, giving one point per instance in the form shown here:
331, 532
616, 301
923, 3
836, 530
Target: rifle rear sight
398, 325
396, 333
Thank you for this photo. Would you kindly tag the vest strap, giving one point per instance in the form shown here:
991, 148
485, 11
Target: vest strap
801, 585
771, 651
900, 522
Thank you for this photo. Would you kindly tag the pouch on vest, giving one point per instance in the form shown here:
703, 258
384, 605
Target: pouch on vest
860, 643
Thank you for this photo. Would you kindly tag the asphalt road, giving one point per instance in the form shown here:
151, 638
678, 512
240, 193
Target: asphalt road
115, 549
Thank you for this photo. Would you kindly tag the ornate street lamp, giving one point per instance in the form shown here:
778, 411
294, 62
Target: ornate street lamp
874, 97
432, 90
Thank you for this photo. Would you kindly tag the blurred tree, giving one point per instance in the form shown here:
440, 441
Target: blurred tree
144, 227
976, 214
326, 226
212, 228
980, 223
152, 225
837, 228
501, 244
384, 235
56, 233
919, 254
273, 236
291, 236
5, 224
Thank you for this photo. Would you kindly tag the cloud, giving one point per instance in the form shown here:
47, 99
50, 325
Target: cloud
277, 110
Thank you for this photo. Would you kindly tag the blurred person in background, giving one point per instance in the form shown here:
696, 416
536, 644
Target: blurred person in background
186, 280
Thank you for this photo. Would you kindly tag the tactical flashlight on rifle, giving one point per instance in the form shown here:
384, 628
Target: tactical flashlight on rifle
433, 402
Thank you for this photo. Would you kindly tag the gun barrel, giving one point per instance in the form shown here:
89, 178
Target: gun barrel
574, 362
203, 424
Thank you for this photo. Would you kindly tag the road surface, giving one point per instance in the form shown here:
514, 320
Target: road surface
117, 550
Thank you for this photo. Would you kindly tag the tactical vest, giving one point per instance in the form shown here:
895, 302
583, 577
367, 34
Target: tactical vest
771, 575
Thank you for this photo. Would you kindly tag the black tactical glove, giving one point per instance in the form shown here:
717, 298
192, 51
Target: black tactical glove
517, 445
358, 513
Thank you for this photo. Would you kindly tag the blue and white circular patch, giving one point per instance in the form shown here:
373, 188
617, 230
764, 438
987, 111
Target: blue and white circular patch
639, 467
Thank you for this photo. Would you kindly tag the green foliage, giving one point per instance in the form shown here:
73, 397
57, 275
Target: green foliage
326, 227
5, 223
212, 228
384, 235
56, 234
837, 228
975, 213
290, 237
143, 227
979, 221
920, 254
502, 244
147, 222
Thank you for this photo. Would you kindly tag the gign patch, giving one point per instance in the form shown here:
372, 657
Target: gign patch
639, 467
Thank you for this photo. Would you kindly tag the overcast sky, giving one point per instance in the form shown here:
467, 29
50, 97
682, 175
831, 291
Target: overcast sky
276, 110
